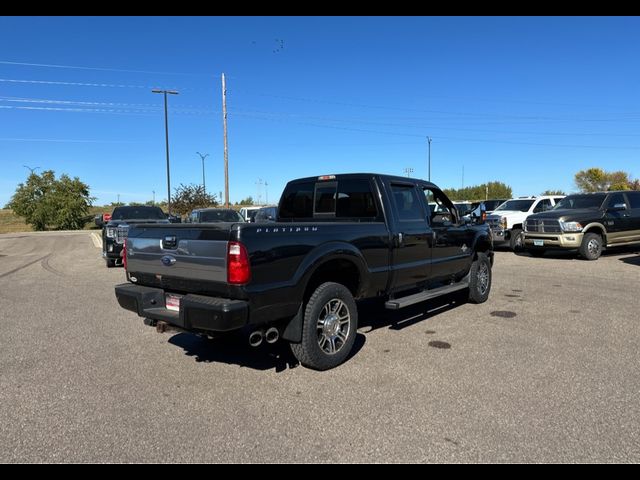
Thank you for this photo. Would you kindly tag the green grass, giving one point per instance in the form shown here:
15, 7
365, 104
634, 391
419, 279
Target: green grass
11, 223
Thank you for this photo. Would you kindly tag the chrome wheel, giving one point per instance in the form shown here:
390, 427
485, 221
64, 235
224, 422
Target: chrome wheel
333, 326
483, 278
593, 247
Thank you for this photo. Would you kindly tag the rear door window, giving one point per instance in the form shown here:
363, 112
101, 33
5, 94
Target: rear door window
634, 199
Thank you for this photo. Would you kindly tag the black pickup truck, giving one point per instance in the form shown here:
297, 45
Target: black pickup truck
114, 231
338, 238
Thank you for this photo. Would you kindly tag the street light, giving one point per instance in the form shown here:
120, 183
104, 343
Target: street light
429, 140
166, 132
204, 185
32, 170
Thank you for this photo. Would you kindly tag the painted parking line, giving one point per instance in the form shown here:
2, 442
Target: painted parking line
97, 241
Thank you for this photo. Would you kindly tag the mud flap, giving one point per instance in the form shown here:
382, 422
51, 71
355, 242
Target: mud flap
293, 331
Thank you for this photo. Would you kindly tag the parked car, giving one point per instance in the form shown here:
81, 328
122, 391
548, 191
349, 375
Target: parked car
207, 215
115, 230
464, 208
249, 213
338, 238
266, 215
587, 222
507, 220
490, 205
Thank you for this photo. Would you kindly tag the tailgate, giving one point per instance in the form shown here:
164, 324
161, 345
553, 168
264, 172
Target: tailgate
182, 252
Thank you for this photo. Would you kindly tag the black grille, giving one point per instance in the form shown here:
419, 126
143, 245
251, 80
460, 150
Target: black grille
543, 226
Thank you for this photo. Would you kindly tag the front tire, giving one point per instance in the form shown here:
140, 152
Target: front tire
480, 279
591, 246
516, 242
329, 327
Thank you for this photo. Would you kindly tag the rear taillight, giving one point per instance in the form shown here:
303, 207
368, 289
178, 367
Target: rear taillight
238, 269
124, 254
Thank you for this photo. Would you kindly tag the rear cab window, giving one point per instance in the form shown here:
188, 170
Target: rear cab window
348, 199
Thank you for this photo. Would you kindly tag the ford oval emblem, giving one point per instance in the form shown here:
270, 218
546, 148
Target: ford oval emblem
168, 260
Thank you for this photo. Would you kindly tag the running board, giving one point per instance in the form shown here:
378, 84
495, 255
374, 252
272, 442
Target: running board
398, 303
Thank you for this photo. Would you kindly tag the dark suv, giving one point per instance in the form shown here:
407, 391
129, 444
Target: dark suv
208, 215
588, 222
115, 230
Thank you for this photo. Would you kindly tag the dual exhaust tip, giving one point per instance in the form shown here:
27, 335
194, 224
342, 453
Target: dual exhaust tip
257, 336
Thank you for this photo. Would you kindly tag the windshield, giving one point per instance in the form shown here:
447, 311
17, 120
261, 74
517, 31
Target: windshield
573, 202
220, 216
519, 205
138, 213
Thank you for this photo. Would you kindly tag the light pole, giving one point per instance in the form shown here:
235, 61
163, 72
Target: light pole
408, 171
31, 169
204, 185
166, 134
429, 140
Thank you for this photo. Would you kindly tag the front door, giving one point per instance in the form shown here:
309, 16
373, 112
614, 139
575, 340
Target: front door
452, 238
618, 219
411, 253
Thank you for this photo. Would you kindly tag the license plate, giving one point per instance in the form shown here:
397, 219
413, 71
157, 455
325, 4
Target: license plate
538, 243
172, 302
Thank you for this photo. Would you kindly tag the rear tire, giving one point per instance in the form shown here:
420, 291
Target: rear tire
329, 327
591, 247
480, 279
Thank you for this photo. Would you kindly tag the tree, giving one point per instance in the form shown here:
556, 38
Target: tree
597, 180
189, 197
553, 192
247, 201
47, 203
480, 192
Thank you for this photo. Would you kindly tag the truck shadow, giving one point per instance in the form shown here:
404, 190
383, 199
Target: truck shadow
635, 260
234, 349
373, 315
573, 254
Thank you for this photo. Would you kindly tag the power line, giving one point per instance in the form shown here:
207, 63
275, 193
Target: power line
102, 69
378, 132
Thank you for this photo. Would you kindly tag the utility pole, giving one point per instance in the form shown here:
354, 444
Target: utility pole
429, 174
266, 192
462, 176
408, 171
166, 136
204, 185
259, 191
226, 148
154, 196
118, 199
31, 169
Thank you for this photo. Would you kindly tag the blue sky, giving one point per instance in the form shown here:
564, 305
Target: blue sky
526, 101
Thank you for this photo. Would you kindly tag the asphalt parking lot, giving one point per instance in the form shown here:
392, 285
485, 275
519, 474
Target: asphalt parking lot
545, 371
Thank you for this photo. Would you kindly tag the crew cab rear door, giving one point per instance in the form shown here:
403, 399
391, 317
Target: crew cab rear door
411, 247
